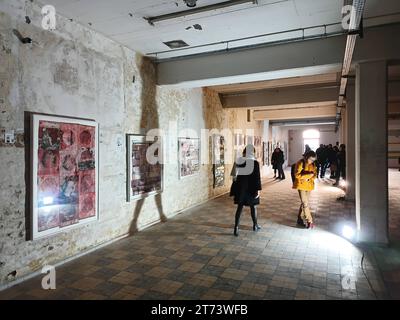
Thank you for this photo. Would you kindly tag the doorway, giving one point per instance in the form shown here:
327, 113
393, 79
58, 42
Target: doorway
311, 138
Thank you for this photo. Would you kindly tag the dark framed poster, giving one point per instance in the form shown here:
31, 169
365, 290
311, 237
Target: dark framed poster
189, 156
64, 153
145, 168
218, 157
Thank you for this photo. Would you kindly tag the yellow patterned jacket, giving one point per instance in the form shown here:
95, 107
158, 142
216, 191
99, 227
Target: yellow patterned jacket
304, 176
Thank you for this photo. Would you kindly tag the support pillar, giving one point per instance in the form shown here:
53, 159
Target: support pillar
350, 142
371, 152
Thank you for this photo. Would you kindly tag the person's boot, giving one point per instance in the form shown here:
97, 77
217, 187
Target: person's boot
310, 225
300, 222
237, 220
256, 227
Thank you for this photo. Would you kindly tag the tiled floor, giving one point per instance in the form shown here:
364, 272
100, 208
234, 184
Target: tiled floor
394, 204
196, 256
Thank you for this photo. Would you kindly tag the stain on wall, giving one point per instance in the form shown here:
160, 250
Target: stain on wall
76, 72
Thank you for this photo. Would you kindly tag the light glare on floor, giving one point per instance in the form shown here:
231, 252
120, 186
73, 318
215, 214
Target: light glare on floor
348, 232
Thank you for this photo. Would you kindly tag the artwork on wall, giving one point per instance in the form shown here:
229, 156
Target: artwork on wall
270, 150
257, 141
285, 150
266, 153
218, 157
64, 160
189, 156
144, 177
238, 139
249, 140
258, 147
238, 144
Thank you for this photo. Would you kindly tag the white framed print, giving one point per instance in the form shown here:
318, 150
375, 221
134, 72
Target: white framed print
189, 156
144, 166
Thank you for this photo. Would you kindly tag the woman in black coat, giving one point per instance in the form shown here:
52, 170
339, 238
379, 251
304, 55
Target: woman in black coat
246, 186
274, 160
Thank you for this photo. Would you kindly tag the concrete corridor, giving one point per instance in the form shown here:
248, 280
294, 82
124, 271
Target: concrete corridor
196, 256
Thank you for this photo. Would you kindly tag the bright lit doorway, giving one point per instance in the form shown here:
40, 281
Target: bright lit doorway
311, 138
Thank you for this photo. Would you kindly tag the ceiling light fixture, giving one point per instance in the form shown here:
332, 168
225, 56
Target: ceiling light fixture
190, 3
200, 11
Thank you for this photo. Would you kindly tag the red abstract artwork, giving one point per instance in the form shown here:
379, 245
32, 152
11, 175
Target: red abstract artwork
66, 174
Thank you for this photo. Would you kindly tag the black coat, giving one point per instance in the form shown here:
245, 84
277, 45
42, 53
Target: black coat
274, 160
245, 188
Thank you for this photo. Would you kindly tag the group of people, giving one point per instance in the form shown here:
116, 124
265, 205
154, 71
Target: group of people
246, 184
334, 158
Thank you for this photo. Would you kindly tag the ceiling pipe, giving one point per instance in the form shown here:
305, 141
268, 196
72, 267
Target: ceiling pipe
288, 123
185, 13
355, 29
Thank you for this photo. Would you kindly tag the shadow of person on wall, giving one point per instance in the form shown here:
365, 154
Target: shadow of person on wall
149, 120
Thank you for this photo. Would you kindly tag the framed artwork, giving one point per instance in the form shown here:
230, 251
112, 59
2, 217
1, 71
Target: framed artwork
285, 150
257, 141
218, 157
265, 154
258, 148
238, 145
241, 140
249, 140
270, 150
64, 173
189, 156
145, 175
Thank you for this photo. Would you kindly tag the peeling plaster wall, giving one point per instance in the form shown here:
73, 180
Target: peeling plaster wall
76, 72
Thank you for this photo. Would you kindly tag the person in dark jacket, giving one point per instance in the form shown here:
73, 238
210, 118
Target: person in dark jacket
319, 162
280, 160
341, 164
334, 162
245, 188
274, 160
323, 160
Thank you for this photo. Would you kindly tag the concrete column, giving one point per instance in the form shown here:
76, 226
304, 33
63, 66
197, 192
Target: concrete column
371, 152
342, 128
350, 143
265, 169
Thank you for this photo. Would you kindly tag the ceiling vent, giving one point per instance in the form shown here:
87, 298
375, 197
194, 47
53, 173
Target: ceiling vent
175, 44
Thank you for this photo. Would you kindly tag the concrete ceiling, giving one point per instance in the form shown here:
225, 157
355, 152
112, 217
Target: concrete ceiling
123, 20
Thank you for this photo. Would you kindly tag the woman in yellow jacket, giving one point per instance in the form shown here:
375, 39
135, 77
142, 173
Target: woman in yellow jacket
304, 176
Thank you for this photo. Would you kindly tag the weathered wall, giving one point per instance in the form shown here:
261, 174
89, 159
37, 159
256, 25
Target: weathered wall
76, 72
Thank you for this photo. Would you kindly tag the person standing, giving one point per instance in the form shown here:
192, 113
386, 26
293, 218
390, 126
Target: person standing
304, 175
274, 161
246, 187
280, 161
341, 163
332, 161
319, 162
324, 161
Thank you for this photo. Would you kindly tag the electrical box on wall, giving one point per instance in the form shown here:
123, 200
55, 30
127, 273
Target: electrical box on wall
9, 137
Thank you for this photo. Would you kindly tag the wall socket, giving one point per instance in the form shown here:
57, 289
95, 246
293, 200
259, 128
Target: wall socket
9, 137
